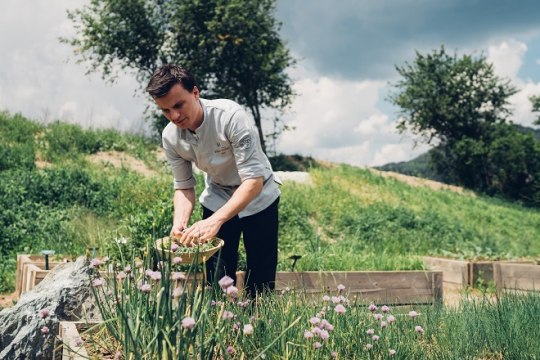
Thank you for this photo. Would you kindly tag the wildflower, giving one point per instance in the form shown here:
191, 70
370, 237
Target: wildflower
121, 275
156, 276
419, 329
145, 288
413, 314
326, 298
43, 313
178, 275
392, 352
317, 345
324, 335
375, 337
385, 309
45, 330
368, 346
383, 324
340, 309
227, 315
225, 282
188, 323
391, 319
98, 282
248, 329
308, 334
230, 350
326, 325
314, 320
95, 263
177, 292
341, 287
177, 260
372, 308
370, 331
377, 316
232, 291
174, 247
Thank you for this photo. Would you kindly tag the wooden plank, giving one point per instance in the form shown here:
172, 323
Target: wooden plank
455, 272
517, 276
379, 286
71, 347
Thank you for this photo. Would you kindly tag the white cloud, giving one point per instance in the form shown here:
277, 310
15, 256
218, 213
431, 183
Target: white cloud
507, 58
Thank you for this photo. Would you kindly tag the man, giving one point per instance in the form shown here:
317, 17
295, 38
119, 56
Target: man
240, 195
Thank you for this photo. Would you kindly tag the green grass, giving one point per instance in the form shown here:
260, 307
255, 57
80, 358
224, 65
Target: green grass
350, 219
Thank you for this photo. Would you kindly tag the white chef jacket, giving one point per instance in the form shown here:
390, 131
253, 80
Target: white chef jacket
227, 148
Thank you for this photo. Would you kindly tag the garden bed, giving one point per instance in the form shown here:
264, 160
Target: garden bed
31, 271
513, 276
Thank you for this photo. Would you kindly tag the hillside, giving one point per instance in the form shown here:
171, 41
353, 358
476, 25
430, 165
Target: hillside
65, 189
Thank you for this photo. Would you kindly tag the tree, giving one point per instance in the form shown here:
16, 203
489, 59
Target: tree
444, 98
232, 46
459, 106
535, 100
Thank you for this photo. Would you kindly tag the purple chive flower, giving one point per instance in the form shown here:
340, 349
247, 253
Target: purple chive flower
43, 313
178, 275
391, 319
336, 299
326, 325
383, 324
236, 326
316, 331
314, 320
156, 275
98, 282
44, 330
95, 262
148, 272
333, 354
79, 342
375, 337
324, 335
227, 315
419, 329
225, 282
317, 345
385, 309
340, 309
370, 331
326, 298
392, 352
377, 316
413, 314
145, 288
174, 247
368, 346
248, 329
177, 260
121, 275
341, 287
127, 269
230, 350
188, 323
372, 308
308, 334
232, 291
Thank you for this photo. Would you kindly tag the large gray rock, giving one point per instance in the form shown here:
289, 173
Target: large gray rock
65, 292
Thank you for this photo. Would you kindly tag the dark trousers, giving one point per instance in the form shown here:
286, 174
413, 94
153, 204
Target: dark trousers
260, 235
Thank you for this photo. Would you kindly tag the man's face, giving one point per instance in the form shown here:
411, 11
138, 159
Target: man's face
182, 107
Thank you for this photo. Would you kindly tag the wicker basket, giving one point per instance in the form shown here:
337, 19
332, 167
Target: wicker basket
189, 257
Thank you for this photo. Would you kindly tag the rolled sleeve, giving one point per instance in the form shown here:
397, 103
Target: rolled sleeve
181, 168
244, 139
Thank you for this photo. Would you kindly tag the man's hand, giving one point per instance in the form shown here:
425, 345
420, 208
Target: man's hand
177, 230
200, 232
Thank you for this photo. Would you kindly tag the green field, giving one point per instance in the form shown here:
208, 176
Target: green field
54, 195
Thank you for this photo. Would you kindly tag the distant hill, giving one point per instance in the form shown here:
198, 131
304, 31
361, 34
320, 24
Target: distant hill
421, 167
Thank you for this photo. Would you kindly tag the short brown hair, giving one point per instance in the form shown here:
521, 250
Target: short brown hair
166, 76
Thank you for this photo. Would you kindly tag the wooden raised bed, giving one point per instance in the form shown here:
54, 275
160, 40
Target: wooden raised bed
71, 347
514, 276
31, 270
383, 287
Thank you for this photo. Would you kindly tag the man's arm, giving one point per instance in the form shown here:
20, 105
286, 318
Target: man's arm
206, 229
184, 202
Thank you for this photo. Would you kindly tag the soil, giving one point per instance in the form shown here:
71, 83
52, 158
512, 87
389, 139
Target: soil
416, 181
7, 300
119, 160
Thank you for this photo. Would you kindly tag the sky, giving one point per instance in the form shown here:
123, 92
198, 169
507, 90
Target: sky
346, 52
